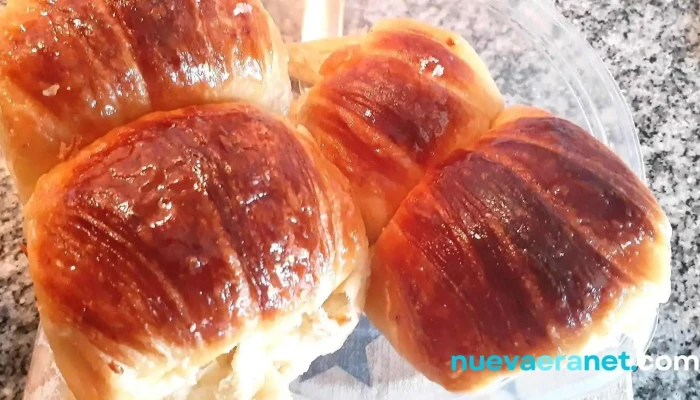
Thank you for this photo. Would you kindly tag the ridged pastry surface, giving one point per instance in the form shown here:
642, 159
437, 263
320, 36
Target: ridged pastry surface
526, 244
393, 105
188, 229
71, 70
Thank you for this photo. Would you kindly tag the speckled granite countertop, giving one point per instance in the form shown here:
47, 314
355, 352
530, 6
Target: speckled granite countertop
652, 48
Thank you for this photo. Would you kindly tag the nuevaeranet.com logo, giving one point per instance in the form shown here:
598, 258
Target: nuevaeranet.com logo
574, 363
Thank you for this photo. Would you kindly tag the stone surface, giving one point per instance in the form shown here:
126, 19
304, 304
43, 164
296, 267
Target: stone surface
18, 316
652, 48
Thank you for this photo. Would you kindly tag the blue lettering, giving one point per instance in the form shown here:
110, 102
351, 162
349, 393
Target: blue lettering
530, 366
461, 359
559, 360
624, 357
511, 364
609, 363
588, 364
494, 363
474, 367
544, 363
574, 363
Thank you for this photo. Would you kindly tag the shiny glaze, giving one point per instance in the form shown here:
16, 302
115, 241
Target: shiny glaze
181, 44
388, 108
432, 58
522, 245
383, 102
184, 227
71, 70
384, 122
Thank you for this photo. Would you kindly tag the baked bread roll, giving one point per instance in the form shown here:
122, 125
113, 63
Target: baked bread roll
536, 240
392, 104
71, 70
207, 252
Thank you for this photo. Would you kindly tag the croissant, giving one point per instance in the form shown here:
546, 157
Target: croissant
537, 240
207, 252
202, 252
71, 70
499, 231
213, 251
391, 105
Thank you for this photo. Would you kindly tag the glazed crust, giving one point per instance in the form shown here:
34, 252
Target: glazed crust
71, 70
532, 242
394, 104
171, 237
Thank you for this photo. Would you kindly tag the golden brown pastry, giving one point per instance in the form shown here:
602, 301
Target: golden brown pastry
392, 104
513, 113
208, 252
536, 240
71, 70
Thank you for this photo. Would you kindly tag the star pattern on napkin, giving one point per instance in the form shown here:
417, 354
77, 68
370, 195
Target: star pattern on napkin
351, 358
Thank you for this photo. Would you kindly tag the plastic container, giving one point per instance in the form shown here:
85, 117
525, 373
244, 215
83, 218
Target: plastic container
536, 58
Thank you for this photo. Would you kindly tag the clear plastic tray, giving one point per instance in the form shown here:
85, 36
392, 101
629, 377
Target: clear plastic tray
536, 58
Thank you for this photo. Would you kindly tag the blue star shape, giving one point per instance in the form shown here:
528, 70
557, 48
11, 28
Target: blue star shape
351, 358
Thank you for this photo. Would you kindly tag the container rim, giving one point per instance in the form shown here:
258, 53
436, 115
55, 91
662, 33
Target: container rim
601, 70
